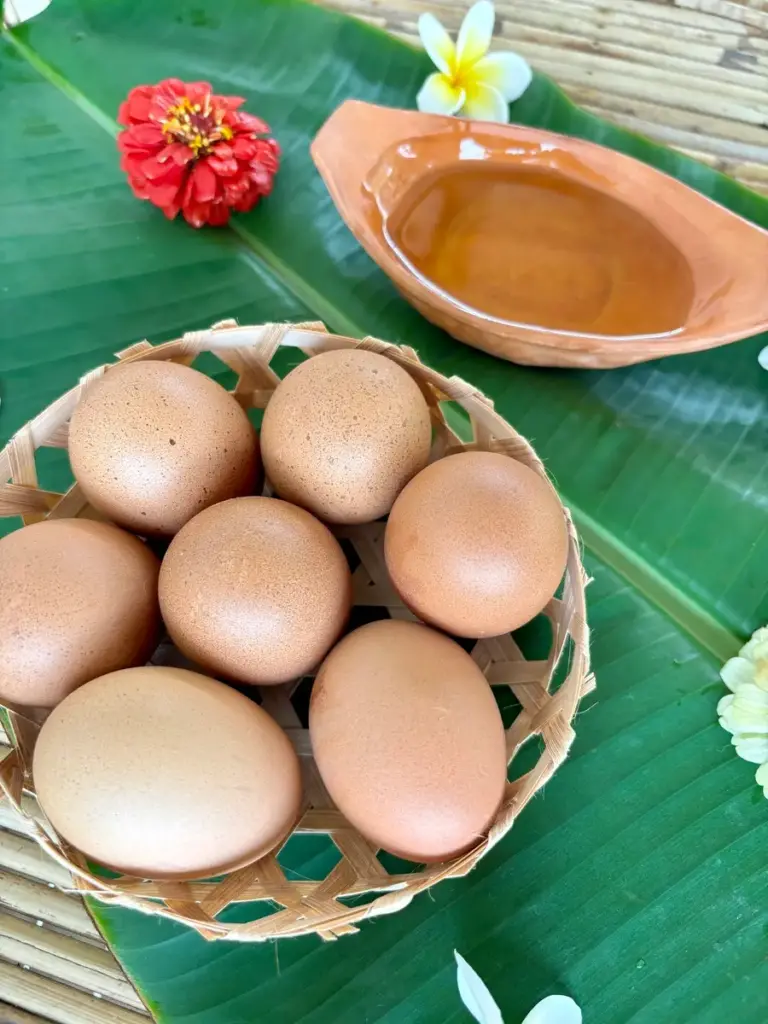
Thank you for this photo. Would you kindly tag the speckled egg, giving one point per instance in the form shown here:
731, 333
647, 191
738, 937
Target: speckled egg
79, 598
164, 773
255, 589
343, 433
476, 544
152, 443
408, 740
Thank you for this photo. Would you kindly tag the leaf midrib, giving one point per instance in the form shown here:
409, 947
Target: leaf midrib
690, 617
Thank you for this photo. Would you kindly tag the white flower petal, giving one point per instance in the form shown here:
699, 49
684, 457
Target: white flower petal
474, 993
763, 358
761, 777
484, 103
737, 672
758, 637
749, 696
439, 96
554, 1010
761, 674
724, 711
17, 11
745, 724
760, 649
507, 72
751, 748
475, 33
437, 43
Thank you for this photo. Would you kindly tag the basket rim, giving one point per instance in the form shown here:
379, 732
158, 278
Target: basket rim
249, 350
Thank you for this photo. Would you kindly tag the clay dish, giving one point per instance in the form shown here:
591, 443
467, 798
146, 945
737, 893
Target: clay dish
373, 158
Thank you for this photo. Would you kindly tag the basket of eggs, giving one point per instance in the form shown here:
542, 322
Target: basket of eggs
261, 650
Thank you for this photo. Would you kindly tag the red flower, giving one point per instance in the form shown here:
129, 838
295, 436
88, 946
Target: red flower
186, 150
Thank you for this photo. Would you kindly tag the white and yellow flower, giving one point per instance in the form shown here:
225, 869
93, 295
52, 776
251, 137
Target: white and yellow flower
744, 711
478, 1000
470, 81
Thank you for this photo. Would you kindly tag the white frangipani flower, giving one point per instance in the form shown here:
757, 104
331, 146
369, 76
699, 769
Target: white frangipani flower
470, 81
17, 11
481, 1004
744, 711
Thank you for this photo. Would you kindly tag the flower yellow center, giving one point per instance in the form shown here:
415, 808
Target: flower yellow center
195, 126
459, 74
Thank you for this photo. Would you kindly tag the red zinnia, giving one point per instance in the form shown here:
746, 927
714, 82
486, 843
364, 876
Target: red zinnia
186, 150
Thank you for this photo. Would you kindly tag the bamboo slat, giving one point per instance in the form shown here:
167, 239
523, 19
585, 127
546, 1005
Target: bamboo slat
13, 1015
10, 821
58, 1002
91, 968
22, 856
49, 906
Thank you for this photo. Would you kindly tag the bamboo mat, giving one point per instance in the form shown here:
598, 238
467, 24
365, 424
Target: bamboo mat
690, 73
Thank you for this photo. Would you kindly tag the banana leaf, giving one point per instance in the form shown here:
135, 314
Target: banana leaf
637, 881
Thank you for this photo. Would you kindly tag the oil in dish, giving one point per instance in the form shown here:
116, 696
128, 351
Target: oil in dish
538, 248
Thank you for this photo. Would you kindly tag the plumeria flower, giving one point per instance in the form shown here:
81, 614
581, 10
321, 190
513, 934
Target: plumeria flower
17, 11
481, 1004
469, 80
763, 358
744, 711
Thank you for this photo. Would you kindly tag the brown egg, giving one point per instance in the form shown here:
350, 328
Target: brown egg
153, 443
343, 433
164, 773
476, 544
408, 740
255, 589
79, 598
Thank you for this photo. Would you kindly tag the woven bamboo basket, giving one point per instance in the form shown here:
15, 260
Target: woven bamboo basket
358, 885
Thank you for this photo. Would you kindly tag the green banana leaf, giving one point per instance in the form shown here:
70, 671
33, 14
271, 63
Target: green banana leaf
637, 882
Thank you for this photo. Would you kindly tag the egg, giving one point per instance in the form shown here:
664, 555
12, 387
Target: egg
255, 589
79, 599
152, 443
164, 773
343, 433
408, 740
476, 544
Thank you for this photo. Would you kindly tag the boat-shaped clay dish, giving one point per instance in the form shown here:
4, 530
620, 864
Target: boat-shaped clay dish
541, 248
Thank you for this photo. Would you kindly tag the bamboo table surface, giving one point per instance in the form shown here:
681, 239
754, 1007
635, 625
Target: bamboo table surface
690, 73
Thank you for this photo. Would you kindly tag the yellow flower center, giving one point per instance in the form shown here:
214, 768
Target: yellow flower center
459, 74
195, 126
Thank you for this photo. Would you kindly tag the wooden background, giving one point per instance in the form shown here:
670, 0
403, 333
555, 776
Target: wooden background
690, 73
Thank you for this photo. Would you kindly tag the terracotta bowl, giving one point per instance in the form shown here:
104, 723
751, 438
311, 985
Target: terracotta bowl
369, 158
